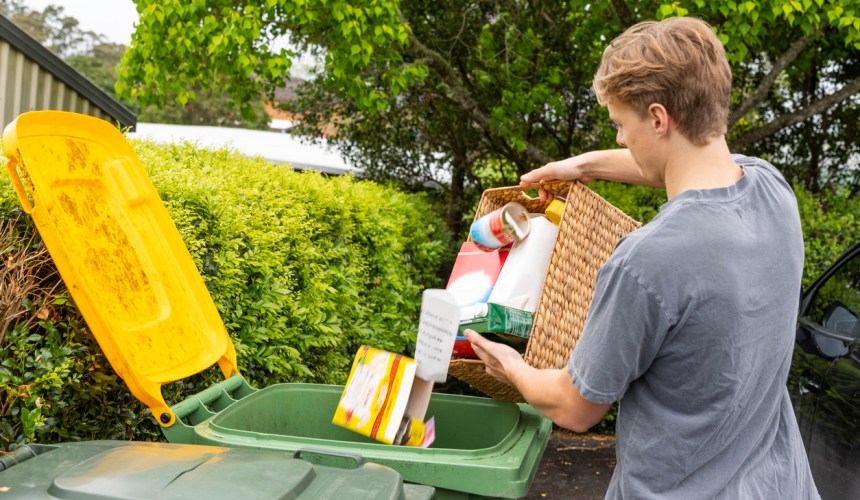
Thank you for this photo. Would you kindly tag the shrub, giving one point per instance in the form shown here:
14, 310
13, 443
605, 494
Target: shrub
303, 269
56, 384
831, 224
640, 202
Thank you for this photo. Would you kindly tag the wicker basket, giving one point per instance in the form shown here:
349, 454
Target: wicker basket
589, 230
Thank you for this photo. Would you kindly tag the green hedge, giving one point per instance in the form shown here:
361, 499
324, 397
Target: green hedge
831, 225
303, 269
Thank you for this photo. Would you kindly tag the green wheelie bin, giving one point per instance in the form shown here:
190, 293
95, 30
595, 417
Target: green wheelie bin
124, 469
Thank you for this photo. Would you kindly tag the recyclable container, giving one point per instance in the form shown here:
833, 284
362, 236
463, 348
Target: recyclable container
135, 283
116, 469
483, 447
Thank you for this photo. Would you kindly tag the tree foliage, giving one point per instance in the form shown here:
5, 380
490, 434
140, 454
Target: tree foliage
466, 92
211, 108
209, 39
91, 55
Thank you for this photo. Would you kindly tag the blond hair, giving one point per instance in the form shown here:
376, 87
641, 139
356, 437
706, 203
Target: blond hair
678, 62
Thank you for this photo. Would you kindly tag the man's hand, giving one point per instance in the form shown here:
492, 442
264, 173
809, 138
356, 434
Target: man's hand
570, 169
551, 392
501, 361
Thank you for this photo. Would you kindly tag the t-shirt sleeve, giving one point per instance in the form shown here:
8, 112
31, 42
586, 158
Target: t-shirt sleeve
625, 327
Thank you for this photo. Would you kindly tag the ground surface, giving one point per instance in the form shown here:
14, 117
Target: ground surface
574, 466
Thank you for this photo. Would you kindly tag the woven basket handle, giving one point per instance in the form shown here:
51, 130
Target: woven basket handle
495, 198
554, 187
548, 185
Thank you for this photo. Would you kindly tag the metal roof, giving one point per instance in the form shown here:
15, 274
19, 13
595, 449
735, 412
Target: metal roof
276, 147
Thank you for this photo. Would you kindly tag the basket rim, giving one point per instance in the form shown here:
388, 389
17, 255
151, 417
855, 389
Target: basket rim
555, 184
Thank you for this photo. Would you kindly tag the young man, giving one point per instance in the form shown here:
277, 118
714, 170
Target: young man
692, 321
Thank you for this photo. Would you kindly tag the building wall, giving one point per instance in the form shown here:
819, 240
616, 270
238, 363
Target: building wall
26, 86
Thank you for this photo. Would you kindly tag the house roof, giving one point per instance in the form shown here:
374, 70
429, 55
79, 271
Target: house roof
30, 47
288, 91
276, 147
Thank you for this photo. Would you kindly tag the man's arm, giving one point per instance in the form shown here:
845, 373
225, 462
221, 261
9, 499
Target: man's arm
615, 165
551, 392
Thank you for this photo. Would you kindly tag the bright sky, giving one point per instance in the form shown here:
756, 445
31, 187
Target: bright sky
114, 19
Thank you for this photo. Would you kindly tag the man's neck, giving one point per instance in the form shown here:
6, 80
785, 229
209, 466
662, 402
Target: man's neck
700, 167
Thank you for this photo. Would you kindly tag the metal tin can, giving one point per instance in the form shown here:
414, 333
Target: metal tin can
501, 227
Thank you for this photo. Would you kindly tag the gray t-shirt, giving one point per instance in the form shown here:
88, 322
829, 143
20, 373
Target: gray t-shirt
692, 328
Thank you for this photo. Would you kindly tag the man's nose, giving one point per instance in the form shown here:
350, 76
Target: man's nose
620, 139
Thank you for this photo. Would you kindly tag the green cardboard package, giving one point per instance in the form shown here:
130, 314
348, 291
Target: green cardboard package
503, 324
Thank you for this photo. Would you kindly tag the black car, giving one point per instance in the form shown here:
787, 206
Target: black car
825, 378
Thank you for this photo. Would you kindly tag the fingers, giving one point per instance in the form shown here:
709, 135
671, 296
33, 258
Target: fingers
474, 337
557, 170
477, 341
480, 344
544, 173
494, 355
545, 196
486, 349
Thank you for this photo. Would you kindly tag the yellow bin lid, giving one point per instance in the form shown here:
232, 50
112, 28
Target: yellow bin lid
118, 251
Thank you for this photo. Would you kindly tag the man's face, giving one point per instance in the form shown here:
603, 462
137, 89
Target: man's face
636, 134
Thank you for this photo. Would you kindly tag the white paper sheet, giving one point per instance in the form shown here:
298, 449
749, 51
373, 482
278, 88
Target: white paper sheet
524, 272
437, 329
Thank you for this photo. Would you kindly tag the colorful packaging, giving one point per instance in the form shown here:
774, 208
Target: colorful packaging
555, 210
376, 394
475, 273
463, 348
376, 397
504, 324
414, 432
501, 227
520, 283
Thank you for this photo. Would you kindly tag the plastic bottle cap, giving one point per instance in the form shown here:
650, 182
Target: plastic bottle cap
554, 211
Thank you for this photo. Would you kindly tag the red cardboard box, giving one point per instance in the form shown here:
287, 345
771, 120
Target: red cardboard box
475, 273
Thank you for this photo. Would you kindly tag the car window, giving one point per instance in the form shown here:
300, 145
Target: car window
836, 307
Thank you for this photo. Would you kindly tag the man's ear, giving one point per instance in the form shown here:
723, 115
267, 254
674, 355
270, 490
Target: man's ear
659, 118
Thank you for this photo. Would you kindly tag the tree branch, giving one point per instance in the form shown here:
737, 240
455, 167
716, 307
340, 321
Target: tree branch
779, 66
458, 92
622, 14
790, 119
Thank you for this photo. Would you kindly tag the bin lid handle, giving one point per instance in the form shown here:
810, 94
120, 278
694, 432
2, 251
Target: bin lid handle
328, 457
